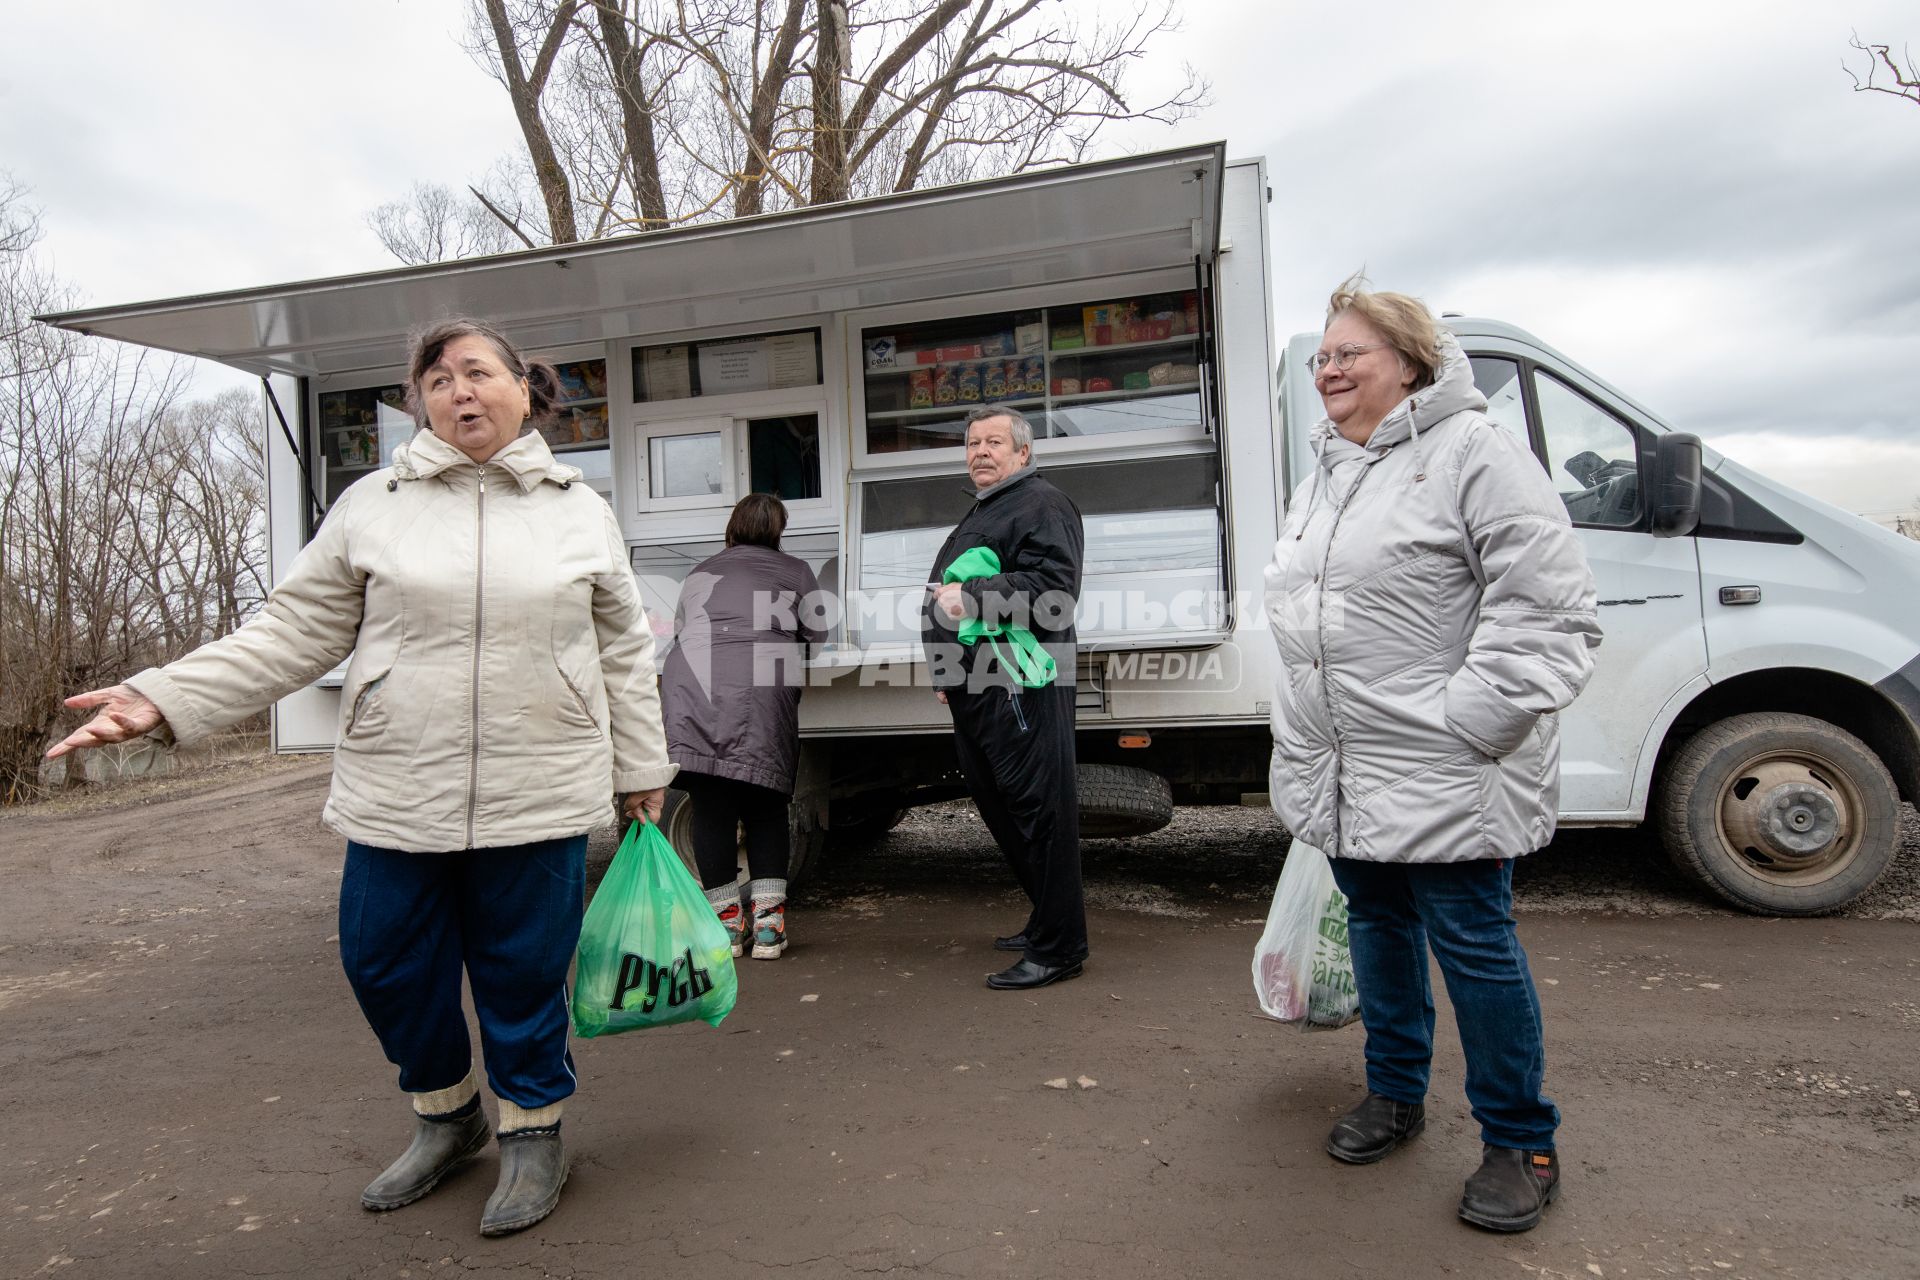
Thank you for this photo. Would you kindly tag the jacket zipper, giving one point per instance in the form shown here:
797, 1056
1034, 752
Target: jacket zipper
1326, 676
479, 635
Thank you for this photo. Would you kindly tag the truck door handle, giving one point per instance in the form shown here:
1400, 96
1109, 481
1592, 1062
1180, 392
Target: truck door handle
1739, 595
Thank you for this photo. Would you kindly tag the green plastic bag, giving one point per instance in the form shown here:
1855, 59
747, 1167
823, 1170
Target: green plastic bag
1029, 664
652, 952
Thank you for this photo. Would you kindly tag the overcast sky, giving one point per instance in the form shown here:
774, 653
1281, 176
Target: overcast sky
1685, 196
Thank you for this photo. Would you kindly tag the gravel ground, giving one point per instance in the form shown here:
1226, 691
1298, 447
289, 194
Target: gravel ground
1210, 851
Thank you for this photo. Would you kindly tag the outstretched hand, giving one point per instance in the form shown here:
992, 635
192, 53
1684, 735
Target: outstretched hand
123, 714
646, 805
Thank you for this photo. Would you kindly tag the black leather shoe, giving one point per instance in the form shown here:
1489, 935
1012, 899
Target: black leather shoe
438, 1148
1028, 974
533, 1168
1012, 942
1511, 1189
1374, 1128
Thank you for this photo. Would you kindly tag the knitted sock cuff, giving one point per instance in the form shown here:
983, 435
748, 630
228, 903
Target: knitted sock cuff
439, 1103
727, 895
514, 1117
767, 893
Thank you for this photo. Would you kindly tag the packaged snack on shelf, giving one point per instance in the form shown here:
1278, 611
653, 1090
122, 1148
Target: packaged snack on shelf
1028, 338
1033, 376
993, 383
1138, 330
1191, 302
1069, 337
944, 388
1138, 380
1099, 384
968, 351
920, 389
967, 384
590, 423
1066, 386
1161, 374
1108, 322
882, 352
997, 344
1162, 325
1185, 373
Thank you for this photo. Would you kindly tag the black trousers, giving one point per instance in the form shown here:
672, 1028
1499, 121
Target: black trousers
721, 808
1016, 750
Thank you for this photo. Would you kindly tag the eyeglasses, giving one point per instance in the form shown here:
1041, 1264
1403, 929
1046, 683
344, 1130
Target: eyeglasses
1342, 357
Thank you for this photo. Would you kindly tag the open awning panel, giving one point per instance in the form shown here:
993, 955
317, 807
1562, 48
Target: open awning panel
1108, 218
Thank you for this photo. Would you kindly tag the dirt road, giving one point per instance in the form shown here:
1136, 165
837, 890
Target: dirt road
189, 1089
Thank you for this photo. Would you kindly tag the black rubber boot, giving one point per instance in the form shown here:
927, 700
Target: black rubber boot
439, 1147
533, 1168
1511, 1189
1374, 1128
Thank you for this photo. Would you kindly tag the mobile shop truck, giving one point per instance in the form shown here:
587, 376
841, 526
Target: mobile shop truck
1758, 694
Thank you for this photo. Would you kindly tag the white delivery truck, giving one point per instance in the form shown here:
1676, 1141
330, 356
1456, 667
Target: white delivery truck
1758, 695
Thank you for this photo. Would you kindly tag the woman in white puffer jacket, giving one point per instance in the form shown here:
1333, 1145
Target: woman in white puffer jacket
501, 691
1433, 610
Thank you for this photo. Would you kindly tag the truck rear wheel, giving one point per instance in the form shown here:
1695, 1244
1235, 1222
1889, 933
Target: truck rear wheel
806, 840
1119, 800
1779, 814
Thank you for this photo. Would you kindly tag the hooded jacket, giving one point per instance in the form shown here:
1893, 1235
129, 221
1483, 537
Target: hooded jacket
501, 687
1415, 715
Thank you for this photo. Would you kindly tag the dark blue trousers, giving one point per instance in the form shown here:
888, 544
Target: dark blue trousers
510, 917
1464, 912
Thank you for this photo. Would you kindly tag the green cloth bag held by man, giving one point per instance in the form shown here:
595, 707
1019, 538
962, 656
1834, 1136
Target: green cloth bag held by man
1030, 665
652, 952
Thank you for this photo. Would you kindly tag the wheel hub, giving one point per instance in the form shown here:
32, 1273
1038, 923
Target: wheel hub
1800, 819
1783, 820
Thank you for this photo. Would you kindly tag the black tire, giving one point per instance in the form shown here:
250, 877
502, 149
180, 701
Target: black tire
676, 824
1779, 814
1118, 800
862, 826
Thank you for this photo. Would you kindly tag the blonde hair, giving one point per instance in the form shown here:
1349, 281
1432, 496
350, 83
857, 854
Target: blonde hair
1403, 321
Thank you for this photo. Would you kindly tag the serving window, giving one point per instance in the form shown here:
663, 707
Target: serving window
1153, 565
1100, 367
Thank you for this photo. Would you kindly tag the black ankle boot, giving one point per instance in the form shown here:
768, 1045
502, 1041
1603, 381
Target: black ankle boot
533, 1168
438, 1147
1511, 1189
1374, 1128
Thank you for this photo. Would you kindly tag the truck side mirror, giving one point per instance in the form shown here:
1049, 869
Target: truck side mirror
1676, 485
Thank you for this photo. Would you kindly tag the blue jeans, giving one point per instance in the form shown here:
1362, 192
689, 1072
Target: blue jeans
1464, 911
510, 917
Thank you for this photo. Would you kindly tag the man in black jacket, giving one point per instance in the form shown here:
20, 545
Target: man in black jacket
1016, 744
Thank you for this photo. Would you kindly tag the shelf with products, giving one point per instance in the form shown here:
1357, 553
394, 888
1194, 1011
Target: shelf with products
579, 420
958, 407
1035, 360
1118, 348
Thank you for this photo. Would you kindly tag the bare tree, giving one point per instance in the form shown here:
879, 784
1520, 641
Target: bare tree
1905, 81
131, 523
638, 114
432, 224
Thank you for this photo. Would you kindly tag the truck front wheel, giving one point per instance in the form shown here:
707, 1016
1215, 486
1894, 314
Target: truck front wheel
1779, 814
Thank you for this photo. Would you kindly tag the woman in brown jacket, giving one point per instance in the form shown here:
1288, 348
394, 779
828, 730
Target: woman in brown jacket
732, 687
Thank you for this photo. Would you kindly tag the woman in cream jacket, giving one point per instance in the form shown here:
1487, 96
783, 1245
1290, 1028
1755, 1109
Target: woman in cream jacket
501, 687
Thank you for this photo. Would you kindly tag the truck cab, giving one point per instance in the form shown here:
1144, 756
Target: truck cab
1757, 696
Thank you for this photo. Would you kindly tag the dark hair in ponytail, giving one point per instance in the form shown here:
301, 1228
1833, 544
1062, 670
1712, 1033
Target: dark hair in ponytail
427, 345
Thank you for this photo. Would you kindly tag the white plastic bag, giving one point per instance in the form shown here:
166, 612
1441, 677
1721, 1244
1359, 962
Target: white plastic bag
1303, 968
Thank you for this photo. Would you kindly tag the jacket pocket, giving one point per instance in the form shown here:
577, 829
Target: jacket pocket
577, 702
366, 714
